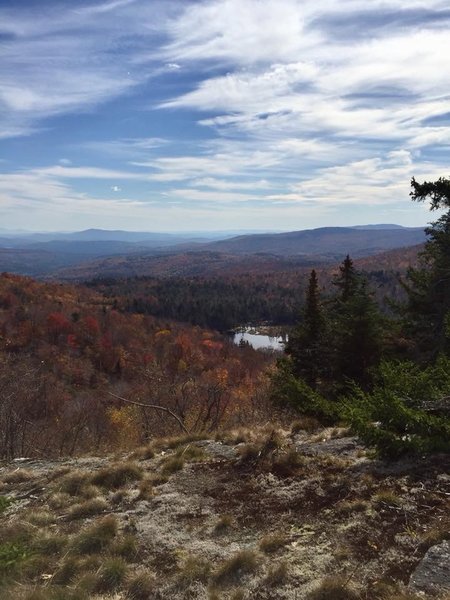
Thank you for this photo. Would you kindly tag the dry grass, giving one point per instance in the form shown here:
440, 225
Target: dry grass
59, 500
50, 543
333, 588
191, 453
86, 509
223, 524
18, 476
73, 482
116, 476
145, 489
289, 463
388, 497
97, 536
141, 585
347, 507
126, 547
172, 443
144, 453
271, 543
111, 575
307, 424
40, 518
172, 464
277, 575
231, 571
195, 569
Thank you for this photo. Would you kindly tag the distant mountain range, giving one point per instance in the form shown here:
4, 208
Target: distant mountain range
95, 251
331, 242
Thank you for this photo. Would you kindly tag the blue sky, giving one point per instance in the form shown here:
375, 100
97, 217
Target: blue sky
226, 114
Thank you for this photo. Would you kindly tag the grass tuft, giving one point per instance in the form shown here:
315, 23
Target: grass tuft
18, 476
87, 509
73, 483
271, 543
117, 476
277, 575
172, 465
231, 571
140, 585
223, 524
333, 588
308, 424
96, 537
112, 574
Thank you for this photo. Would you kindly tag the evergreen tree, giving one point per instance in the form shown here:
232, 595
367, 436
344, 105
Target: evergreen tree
357, 327
307, 345
347, 279
427, 312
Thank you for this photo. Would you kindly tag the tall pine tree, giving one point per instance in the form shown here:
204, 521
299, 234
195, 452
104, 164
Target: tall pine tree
427, 311
357, 327
308, 342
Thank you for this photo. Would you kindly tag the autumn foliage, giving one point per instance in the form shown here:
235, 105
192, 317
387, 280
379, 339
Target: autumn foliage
64, 350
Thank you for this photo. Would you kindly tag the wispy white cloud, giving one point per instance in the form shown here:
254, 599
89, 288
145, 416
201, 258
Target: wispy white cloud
299, 102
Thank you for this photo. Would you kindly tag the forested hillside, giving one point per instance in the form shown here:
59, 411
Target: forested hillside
64, 350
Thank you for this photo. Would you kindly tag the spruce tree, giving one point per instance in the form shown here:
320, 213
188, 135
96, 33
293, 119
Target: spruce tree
427, 311
307, 345
357, 327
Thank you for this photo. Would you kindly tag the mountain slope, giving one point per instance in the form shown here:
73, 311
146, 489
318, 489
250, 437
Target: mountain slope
334, 242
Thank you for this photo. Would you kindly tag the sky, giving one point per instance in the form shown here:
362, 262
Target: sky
187, 115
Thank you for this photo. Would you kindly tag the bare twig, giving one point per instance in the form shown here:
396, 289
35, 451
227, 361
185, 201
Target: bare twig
155, 407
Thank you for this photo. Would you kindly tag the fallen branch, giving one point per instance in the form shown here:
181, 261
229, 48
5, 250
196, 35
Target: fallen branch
155, 407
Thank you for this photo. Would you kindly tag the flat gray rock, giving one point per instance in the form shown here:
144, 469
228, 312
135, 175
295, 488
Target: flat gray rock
432, 575
346, 446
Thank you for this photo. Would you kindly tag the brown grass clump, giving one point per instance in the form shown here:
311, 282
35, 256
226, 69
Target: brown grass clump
49, 543
111, 575
171, 443
96, 537
242, 563
140, 585
347, 507
277, 575
387, 497
18, 476
67, 570
172, 464
308, 424
288, 464
144, 453
145, 489
195, 569
223, 524
271, 543
73, 482
191, 453
40, 518
126, 547
437, 534
59, 500
333, 588
249, 452
116, 476
88, 508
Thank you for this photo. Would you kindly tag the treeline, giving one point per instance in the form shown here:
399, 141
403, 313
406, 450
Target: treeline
217, 303
386, 375
66, 355
228, 302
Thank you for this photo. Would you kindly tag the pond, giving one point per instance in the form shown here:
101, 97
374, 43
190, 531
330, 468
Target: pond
259, 340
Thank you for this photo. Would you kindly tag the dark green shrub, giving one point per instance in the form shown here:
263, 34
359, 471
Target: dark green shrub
392, 417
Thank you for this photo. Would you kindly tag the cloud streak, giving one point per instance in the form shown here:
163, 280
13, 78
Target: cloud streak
286, 104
